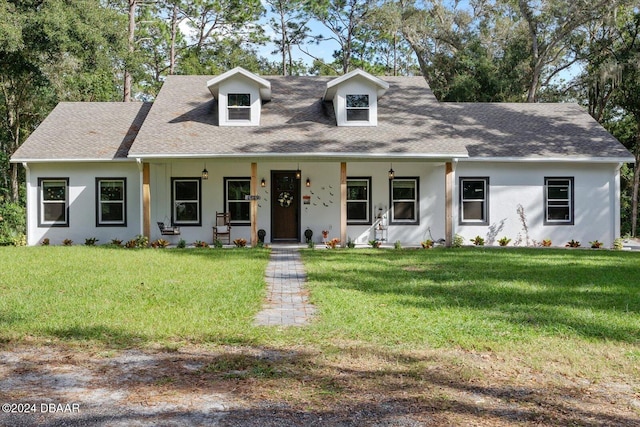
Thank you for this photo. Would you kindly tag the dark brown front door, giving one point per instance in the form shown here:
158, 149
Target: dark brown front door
285, 207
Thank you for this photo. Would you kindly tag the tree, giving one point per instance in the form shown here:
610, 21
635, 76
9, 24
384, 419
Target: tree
58, 50
289, 22
552, 28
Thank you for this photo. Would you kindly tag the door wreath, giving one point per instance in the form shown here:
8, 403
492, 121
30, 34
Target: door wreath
285, 198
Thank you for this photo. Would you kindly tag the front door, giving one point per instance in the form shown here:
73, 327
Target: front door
285, 207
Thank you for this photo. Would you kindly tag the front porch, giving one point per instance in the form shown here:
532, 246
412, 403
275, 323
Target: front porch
349, 200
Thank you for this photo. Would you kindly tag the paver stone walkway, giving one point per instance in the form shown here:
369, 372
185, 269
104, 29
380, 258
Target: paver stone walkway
287, 303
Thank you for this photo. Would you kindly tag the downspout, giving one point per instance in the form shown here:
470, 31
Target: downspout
616, 203
25, 165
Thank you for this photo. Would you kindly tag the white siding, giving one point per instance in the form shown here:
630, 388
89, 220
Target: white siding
596, 216
82, 202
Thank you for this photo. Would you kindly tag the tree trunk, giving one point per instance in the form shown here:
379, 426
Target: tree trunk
131, 40
15, 185
174, 32
636, 183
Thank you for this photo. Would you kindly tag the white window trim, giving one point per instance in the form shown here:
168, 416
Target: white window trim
368, 108
485, 200
415, 201
100, 202
366, 221
227, 201
43, 202
238, 107
570, 200
176, 202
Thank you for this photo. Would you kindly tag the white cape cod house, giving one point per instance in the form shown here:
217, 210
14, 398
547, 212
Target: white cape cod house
287, 154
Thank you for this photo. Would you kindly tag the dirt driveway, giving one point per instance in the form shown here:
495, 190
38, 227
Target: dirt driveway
245, 386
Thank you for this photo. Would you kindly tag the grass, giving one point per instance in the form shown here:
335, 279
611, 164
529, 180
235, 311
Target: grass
470, 336
475, 298
129, 297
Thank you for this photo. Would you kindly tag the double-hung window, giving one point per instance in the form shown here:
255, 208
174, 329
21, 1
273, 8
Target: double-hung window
558, 201
474, 201
111, 202
404, 201
236, 190
358, 201
239, 106
358, 108
186, 195
54, 202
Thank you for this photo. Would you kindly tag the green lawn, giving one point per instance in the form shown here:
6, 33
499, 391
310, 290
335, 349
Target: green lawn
129, 297
475, 298
469, 298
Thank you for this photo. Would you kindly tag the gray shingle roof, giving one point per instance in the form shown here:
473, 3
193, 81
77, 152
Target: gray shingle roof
183, 122
411, 123
85, 131
543, 130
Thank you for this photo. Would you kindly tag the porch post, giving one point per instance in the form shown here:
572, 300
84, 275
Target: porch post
343, 204
146, 200
448, 204
254, 204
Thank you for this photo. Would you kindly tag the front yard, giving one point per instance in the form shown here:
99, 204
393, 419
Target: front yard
447, 336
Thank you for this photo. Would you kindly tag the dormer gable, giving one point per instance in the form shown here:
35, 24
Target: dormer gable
355, 98
240, 95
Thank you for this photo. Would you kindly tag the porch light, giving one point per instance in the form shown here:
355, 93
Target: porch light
263, 183
392, 173
298, 172
205, 172
308, 183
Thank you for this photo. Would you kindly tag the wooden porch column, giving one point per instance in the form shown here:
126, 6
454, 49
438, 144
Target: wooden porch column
146, 200
343, 204
254, 204
448, 204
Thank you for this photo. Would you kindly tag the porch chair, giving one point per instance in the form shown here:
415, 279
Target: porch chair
168, 231
222, 227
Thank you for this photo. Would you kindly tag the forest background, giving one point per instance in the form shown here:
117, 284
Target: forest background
582, 51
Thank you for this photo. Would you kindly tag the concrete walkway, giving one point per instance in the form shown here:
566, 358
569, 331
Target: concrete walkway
287, 303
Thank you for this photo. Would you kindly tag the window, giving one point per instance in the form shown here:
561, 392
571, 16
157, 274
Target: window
404, 201
54, 202
239, 106
359, 201
474, 201
358, 108
185, 196
558, 201
235, 190
111, 202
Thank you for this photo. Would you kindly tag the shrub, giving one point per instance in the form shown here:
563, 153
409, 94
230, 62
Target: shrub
572, 244
504, 241
160, 243
478, 241
397, 245
116, 242
201, 244
217, 243
375, 243
240, 243
333, 243
181, 244
350, 243
458, 241
595, 244
141, 241
546, 243
617, 244
427, 244
91, 241
45, 242
67, 242
13, 222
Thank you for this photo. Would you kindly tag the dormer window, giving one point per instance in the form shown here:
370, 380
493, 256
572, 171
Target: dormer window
355, 98
239, 106
358, 108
